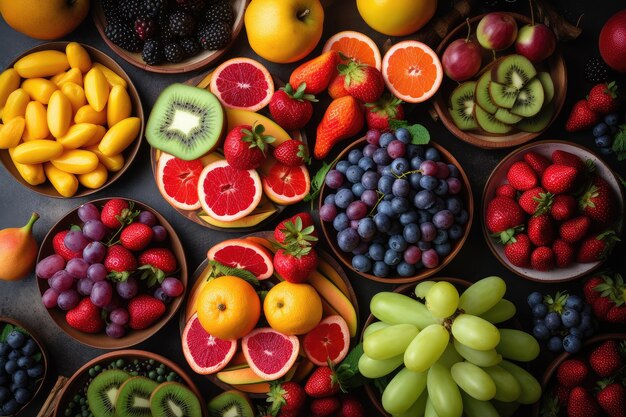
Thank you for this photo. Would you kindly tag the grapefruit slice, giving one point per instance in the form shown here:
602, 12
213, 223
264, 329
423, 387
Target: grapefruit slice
285, 185
177, 180
205, 354
356, 46
228, 194
412, 71
269, 353
242, 83
243, 254
329, 340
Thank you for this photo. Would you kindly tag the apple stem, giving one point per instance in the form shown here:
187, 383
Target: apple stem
469, 29
532, 13
493, 51
304, 14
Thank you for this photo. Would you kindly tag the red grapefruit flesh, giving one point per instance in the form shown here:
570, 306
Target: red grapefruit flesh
228, 194
242, 83
269, 353
205, 354
177, 180
243, 254
286, 185
329, 340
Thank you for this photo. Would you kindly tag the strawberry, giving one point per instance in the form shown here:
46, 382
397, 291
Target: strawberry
574, 229
325, 406
559, 179
537, 162
316, 73
617, 314
291, 109
343, 119
506, 190
533, 199
606, 358
601, 307
301, 231
582, 404
581, 117
541, 230
159, 258
560, 157
572, 372
85, 317
518, 250
378, 114
591, 294
599, 203
245, 146
564, 253
337, 88
143, 311
596, 247
542, 259
295, 264
502, 214
350, 407
612, 398
286, 397
323, 382
117, 212
120, 261
603, 98
136, 236
291, 153
362, 82
563, 207
521, 176
58, 244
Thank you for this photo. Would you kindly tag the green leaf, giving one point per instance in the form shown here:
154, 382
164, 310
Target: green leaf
381, 383
8, 328
317, 182
221, 269
351, 361
419, 133
37, 357
619, 143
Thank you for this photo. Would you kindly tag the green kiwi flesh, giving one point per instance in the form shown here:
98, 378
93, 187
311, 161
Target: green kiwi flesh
172, 399
102, 392
186, 122
481, 94
538, 122
529, 100
462, 106
505, 116
514, 71
548, 86
489, 123
502, 95
133, 398
231, 404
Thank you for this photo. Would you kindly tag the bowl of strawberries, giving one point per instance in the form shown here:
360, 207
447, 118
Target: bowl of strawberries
551, 211
111, 272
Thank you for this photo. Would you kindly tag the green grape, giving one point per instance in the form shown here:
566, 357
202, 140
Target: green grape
502, 311
482, 295
389, 342
394, 308
442, 300
417, 409
372, 368
429, 411
422, 288
531, 390
478, 357
477, 408
505, 409
517, 345
507, 387
473, 380
426, 348
403, 390
443, 392
377, 325
449, 356
475, 332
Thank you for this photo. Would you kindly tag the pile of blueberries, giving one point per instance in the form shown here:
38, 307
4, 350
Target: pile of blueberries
604, 133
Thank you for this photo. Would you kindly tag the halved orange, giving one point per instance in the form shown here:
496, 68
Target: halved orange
412, 71
356, 46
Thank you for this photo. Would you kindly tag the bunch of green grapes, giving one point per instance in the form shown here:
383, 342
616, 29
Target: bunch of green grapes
453, 360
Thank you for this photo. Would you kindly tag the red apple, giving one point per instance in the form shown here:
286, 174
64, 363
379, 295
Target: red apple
613, 41
461, 60
496, 31
535, 42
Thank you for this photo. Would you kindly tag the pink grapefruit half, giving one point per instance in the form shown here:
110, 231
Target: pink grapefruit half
286, 185
177, 180
243, 254
228, 194
205, 354
242, 83
329, 340
270, 354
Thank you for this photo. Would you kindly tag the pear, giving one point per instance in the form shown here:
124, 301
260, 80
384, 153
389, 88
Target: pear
18, 251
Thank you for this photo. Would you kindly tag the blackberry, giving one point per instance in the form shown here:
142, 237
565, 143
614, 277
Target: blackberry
152, 52
596, 71
190, 46
173, 52
181, 23
130, 9
220, 11
193, 6
111, 10
153, 8
123, 35
214, 35
145, 28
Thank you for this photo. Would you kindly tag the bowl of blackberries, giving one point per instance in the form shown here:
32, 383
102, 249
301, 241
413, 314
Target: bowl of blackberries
394, 211
23, 366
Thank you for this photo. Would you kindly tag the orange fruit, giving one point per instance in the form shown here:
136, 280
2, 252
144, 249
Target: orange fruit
50, 19
396, 17
356, 46
292, 308
228, 307
412, 71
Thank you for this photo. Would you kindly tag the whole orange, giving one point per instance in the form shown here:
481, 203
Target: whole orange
49, 19
292, 308
228, 307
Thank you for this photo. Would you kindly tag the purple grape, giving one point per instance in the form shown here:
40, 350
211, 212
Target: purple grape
127, 289
119, 316
77, 267
172, 286
88, 212
160, 234
84, 286
369, 197
428, 230
328, 212
362, 249
94, 230
348, 239
396, 149
147, 218
443, 171
68, 300
429, 168
101, 293
369, 150
49, 298
115, 331
94, 252
454, 185
159, 294
412, 255
430, 258
96, 272
334, 179
443, 219
372, 136
75, 240
356, 210
49, 266
61, 281
354, 224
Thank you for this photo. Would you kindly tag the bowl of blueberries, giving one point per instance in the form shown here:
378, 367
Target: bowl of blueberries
393, 211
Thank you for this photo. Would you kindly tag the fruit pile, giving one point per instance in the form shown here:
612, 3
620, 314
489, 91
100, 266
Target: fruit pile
447, 354
395, 206
66, 119
168, 31
21, 368
553, 212
606, 293
562, 321
112, 272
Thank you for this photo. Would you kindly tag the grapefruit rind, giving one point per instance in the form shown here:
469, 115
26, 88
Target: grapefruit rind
194, 325
284, 369
361, 38
243, 244
310, 342
164, 158
213, 85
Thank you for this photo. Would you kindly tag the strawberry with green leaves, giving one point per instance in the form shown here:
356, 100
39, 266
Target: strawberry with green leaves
535, 201
603, 98
295, 264
607, 293
302, 232
323, 382
504, 215
286, 397
117, 212
599, 202
291, 153
518, 249
612, 398
119, 262
292, 109
245, 147
596, 247
378, 114
363, 82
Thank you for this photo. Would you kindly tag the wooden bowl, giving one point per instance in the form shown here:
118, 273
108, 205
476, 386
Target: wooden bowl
133, 337
46, 188
498, 177
555, 65
202, 59
330, 234
81, 376
44, 357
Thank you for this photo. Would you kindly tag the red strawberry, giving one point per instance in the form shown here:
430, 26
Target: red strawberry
316, 73
323, 382
120, 260
245, 146
160, 258
591, 294
506, 190
301, 231
575, 229
617, 314
603, 98
537, 162
325, 406
518, 250
295, 264
291, 153
612, 399
291, 109
117, 212
378, 114
560, 157
337, 88
343, 119
572, 372
143, 311
596, 247
559, 179
58, 244
582, 404
564, 253
286, 397
532, 199
350, 407
521, 176
601, 307
542, 259
502, 214
563, 207
362, 82
136, 236
599, 203
581, 117
85, 317
606, 359
540, 230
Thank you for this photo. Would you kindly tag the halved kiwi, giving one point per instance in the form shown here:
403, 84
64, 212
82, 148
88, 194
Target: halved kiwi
462, 106
102, 392
538, 122
502, 95
133, 398
529, 100
505, 116
186, 122
513, 71
548, 86
489, 123
172, 399
481, 94
231, 404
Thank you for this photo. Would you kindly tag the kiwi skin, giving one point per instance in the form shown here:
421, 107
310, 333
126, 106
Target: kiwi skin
481, 94
135, 390
538, 122
103, 390
226, 401
489, 123
177, 393
462, 106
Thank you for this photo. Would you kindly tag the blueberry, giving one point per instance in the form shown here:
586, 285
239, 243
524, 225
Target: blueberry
424, 246
424, 199
380, 269
400, 187
25, 362
429, 183
20, 378
386, 208
386, 139
574, 302
555, 344
369, 150
424, 216
366, 228
586, 322
541, 332
414, 180
382, 221
343, 198
361, 249
575, 331
397, 243
454, 171
443, 219
4, 349
400, 205
14, 355
606, 151
370, 180
4, 394
454, 205
354, 156
361, 263
385, 184
399, 166
342, 166
392, 257
36, 371
553, 320
603, 141
441, 237
411, 233
415, 150
539, 310
462, 218
354, 174
442, 188
10, 367
376, 251
570, 318
405, 269
403, 135
22, 396
329, 199
385, 170
443, 249
357, 189
348, 239
571, 343
16, 339
600, 129
408, 217
367, 164
415, 162
455, 232
10, 407
341, 222
534, 298
611, 119
432, 154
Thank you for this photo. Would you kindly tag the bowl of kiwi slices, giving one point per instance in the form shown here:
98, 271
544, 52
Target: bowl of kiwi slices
510, 101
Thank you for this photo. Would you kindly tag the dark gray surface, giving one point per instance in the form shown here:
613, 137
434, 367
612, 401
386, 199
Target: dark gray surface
21, 300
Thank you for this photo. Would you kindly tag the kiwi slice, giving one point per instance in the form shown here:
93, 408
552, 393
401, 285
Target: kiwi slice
102, 392
185, 121
538, 122
481, 94
231, 404
172, 399
489, 123
505, 116
514, 71
529, 100
548, 86
462, 102
133, 398
502, 95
